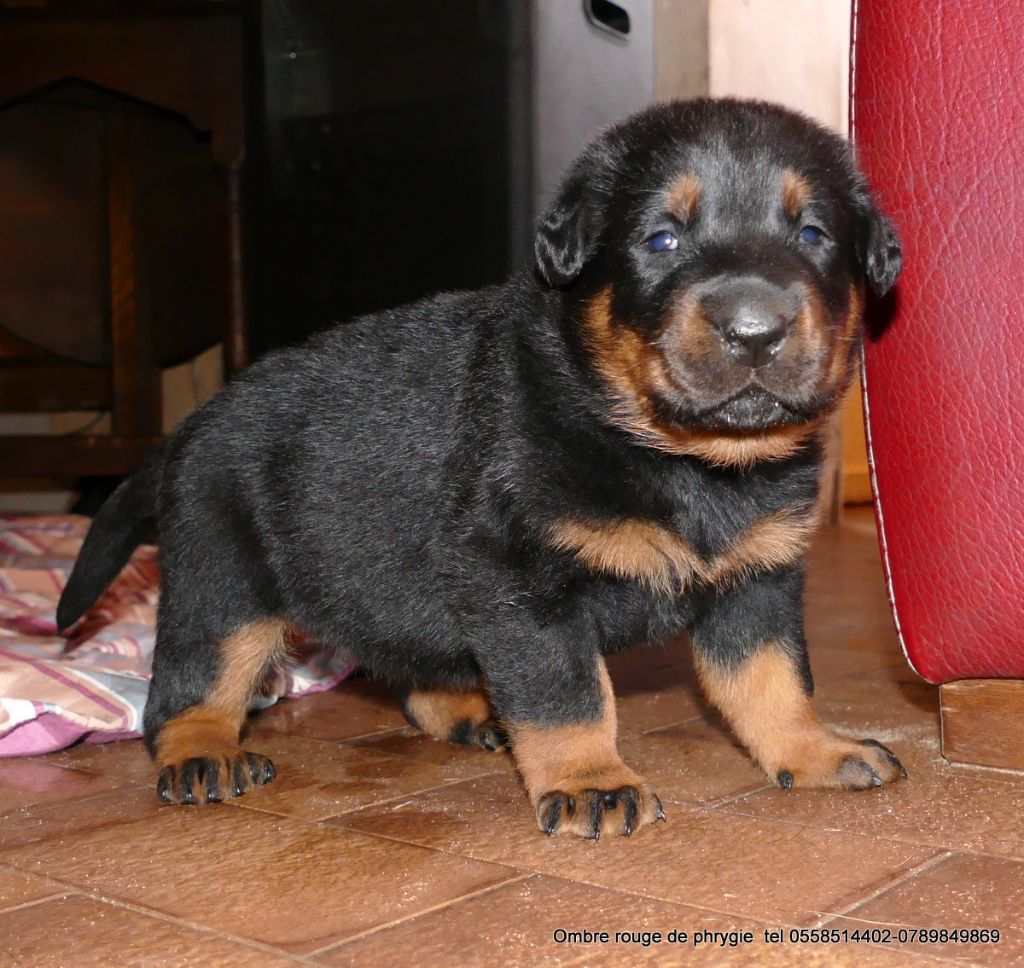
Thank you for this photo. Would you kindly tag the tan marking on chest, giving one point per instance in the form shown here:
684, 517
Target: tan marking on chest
664, 561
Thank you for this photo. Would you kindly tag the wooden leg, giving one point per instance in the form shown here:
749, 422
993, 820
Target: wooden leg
983, 722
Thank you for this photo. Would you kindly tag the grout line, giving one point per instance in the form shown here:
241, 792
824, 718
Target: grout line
680, 722
361, 736
430, 910
720, 912
933, 861
72, 801
58, 896
78, 890
238, 802
734, 797
390, 731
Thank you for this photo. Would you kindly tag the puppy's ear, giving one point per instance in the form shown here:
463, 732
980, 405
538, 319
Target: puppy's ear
568, 231
878, 249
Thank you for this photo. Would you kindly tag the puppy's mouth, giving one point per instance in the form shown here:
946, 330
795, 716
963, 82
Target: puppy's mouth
751, 410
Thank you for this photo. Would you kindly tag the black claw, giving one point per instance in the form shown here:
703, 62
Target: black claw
165, 783
213, 784
269, 770
659, 810
491, 737
596, 813
888, 754
488, 740
239, 778
632, 813
863, 776
255, 769
551, 815
192, 775
785, 779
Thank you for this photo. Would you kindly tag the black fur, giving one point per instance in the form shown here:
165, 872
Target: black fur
389, 485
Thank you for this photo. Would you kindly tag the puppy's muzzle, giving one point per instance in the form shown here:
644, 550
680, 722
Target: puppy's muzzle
753, 317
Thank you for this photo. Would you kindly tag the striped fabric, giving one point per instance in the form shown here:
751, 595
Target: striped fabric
93, 686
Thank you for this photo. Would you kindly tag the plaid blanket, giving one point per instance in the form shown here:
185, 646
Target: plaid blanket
93, 686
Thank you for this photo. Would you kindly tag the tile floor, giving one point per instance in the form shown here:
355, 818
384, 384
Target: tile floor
376, 846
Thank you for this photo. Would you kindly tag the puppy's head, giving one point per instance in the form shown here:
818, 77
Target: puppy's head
715, 255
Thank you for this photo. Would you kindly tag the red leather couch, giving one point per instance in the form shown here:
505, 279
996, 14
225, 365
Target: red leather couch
937, 114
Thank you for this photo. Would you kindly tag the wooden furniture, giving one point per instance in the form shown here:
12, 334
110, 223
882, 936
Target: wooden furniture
113, 249
119, 229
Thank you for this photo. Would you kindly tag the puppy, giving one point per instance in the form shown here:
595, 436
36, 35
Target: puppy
481, 495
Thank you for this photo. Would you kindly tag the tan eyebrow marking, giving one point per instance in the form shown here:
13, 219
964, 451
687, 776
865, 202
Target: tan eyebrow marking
796, 192
683, 196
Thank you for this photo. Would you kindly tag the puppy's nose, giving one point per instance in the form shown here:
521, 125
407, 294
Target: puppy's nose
754, 337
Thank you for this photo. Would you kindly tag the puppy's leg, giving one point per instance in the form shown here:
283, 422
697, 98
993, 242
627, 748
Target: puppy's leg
196, 709
454, 716
751, 659
559, 711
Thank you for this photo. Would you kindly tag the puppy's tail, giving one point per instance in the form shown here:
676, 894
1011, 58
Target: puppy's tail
125, 519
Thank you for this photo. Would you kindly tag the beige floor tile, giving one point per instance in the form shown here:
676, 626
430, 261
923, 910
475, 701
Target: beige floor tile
317, 779
17, 888
694, 762
354, 708
127, 761
461, 762
659, 698
940, 805
962, 891
79, 932
29, 782
517, 926
244, 873
760, 869
66, 821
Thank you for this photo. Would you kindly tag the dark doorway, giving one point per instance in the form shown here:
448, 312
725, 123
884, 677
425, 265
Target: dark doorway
383, 158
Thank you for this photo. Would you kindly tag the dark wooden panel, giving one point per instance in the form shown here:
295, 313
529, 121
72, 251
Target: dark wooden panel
983, 722
34, 456
137, 389
52, 236
45, 387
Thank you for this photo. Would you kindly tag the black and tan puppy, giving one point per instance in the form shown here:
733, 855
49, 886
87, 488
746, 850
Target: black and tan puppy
481, 495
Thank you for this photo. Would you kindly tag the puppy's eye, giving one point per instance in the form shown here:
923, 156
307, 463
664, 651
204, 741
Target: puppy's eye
812, 235
662, 242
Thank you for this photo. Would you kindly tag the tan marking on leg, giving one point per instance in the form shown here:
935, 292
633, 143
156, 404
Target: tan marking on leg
635, 373
438, 711
765, 703
581, 761
795, 191
683, 196
210, 730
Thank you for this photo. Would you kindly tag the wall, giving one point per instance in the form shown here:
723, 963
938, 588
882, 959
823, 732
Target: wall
795, 52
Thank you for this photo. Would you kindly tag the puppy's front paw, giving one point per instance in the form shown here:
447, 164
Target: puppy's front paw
592, 812
843, 764
210, 779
